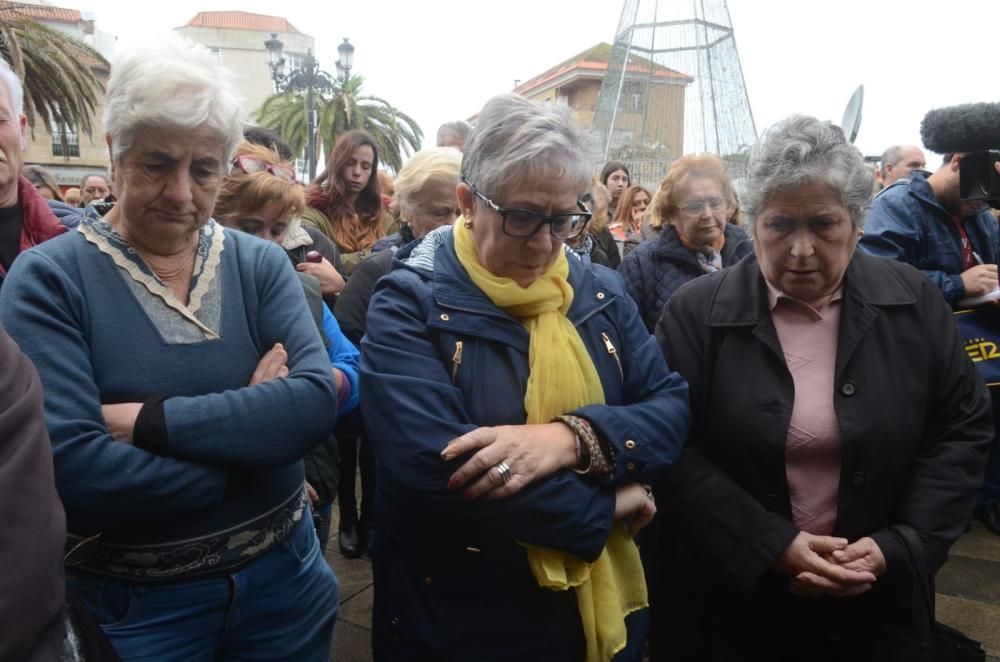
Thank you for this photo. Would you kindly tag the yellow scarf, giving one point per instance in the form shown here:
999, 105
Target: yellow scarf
561, 378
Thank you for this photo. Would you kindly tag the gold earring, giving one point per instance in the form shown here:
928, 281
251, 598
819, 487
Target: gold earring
468, 224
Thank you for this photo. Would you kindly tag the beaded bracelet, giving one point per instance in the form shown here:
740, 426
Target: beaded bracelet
592, 457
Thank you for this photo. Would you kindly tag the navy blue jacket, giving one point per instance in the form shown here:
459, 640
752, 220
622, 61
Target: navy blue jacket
438, 360
907, 223
656, 268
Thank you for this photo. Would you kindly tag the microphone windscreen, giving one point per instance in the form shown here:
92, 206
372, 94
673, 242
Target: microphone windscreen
970, 127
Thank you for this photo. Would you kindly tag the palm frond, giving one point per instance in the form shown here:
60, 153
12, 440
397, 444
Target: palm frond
395, 133
57, 72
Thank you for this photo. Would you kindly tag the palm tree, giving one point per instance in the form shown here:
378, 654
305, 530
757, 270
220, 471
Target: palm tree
56, 70
395, 132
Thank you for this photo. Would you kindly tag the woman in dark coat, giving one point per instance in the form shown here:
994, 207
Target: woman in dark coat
834, 412
517, 407
695, 207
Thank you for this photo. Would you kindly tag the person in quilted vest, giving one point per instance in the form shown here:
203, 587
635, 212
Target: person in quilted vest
696, 206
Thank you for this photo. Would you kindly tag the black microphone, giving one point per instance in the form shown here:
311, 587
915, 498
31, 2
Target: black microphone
970, 127
973, 130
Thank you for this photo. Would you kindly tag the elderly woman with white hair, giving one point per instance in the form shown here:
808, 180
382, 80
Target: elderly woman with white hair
184, 381
518, 408
838, 432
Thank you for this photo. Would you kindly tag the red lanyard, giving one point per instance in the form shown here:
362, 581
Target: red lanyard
966, 244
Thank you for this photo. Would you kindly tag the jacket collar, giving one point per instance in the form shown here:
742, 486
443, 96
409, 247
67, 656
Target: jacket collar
669, 245
921, 189
39, 223
867, 282
454, 289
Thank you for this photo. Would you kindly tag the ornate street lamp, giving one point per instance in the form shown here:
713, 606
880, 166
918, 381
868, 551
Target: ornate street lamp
308, 77
346, 60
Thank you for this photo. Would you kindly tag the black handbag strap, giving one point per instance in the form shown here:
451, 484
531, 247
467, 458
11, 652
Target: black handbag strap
923, 592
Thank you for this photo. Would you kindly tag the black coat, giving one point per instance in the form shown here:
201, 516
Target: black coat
351, 310
656, 268
605, 241
915, 424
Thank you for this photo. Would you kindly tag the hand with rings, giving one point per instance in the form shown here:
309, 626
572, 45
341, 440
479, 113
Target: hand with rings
507, 458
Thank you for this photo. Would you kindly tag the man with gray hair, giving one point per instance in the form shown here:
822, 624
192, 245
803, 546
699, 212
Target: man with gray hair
454, 134
899, 160
25, 217
94, 187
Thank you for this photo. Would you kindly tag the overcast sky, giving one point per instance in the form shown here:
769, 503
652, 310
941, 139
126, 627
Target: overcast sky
439, 60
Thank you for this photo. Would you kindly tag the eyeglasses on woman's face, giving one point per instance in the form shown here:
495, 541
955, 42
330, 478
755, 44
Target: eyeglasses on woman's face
695, 207
252, 164
526, 222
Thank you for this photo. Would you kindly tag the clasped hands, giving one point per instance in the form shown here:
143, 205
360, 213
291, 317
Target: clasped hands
824, 565
530, 453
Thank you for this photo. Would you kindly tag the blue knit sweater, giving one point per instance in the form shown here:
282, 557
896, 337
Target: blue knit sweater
232, 461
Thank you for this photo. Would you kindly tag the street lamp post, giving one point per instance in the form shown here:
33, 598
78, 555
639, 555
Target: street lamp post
308, 77
345, 61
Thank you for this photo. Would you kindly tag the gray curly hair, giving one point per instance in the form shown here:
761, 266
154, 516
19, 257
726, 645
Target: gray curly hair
799, 150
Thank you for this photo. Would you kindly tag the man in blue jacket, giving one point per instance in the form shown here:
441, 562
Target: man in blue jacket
924, 222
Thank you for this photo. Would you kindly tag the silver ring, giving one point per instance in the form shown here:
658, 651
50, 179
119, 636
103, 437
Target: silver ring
504, 472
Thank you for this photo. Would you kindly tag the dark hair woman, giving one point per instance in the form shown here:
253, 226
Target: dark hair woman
345, 201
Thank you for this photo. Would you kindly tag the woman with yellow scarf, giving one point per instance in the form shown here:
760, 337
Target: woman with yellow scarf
518, 408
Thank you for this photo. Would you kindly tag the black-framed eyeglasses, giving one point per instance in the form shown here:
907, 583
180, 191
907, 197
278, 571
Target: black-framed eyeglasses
526, 222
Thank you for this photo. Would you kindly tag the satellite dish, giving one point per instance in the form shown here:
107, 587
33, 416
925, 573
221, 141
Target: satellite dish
852, 114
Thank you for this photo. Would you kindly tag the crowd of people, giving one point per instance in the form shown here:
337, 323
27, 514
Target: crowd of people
703, 419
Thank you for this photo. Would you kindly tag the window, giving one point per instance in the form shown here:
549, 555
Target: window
633, 97
72, 146
216, 55
293, 61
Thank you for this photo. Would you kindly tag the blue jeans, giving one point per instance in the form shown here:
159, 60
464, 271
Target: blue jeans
322, 516
280, 607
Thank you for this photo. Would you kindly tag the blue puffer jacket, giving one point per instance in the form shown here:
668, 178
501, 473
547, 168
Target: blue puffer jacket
907, 223
438, 360
656, 268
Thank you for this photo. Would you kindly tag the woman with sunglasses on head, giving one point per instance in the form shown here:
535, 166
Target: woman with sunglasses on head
517, 408
345, 201
696, 208
309, 249
260, 197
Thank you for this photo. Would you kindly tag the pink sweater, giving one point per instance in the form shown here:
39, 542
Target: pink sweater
813, 448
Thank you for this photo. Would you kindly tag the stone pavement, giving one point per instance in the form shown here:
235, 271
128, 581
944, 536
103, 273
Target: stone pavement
352, 636
968, 588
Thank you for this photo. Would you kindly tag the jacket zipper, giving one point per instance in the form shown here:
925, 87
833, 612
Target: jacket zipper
614, 354
456, 360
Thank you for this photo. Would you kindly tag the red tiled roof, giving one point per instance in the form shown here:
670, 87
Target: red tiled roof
10, 11
595, 60
241, 20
